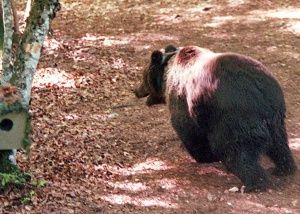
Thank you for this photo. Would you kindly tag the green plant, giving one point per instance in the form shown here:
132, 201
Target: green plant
28, 197
23, 182
38, 183
12, 178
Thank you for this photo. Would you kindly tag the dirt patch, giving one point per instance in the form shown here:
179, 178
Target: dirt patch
103, 151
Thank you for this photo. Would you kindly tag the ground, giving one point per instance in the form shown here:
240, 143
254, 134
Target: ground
101, 150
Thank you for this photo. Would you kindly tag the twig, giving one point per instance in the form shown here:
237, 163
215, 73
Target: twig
123, 106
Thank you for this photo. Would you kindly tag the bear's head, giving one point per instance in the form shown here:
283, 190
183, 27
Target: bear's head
153, 84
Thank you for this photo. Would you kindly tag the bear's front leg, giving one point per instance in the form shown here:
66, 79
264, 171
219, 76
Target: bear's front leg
193, 138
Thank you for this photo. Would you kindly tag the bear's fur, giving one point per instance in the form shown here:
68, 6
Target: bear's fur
224, 107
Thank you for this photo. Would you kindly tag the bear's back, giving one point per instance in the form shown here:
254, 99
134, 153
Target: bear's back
246, 86
223, 82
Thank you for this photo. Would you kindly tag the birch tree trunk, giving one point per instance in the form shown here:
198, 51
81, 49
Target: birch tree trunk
29, 50
7, 42
7, 156
28, 53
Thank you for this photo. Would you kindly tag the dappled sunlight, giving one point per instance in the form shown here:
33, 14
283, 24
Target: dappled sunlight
97, 49
290, 17
255, 207
151, 37
138, 191
103, 40
295, 143
295, 27
150, 165
53, 77
193, 14
109, 41
167, 183
71, 116
51, 45
211, 170
144, 202
128, 186
134, 38
134, 186
281, 13
219, 20
87, 49
234, 3
166, 19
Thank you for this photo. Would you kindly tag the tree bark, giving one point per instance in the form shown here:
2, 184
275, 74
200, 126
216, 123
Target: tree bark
7, 156
29, 50
28, 53
7, 42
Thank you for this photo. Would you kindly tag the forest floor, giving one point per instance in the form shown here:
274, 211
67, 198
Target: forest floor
101, 150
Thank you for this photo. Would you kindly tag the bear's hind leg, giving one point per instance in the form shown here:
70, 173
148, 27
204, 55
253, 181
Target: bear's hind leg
247, 169
240, 156
280, 153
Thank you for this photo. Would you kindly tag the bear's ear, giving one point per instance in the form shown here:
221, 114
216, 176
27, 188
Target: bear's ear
170, 51
157, 57
170, 48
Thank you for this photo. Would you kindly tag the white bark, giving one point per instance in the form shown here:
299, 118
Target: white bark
7, 42
7, 56
29, 50
12, 157
33, 52
32, 41
27, 10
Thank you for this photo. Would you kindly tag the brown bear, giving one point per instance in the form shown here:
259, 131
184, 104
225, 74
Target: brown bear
224, 107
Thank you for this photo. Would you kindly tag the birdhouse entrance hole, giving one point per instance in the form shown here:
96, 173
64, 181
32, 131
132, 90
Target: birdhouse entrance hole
6, 125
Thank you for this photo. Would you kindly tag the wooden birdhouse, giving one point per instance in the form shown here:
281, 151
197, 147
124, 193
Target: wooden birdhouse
14, 120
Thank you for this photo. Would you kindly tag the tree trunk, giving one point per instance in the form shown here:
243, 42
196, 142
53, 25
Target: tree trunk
7, 157
7, 42
28, 53
1, 26
29, 50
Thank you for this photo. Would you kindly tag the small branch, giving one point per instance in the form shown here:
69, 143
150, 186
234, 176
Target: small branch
123, 106
16, 19
27, 10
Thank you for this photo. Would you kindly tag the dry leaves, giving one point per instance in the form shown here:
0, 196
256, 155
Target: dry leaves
9, 94
102, 151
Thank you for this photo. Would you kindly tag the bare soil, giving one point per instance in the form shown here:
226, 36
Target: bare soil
103, 151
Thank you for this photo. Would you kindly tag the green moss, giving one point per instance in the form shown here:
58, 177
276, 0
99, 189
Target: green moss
19, 107
26, 140
5, 164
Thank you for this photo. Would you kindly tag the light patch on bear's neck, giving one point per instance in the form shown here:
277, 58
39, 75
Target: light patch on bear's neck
192, 79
